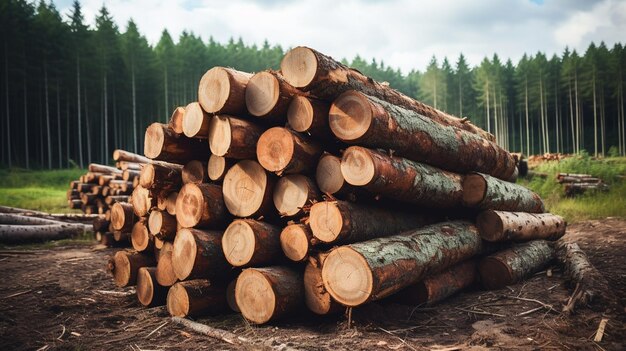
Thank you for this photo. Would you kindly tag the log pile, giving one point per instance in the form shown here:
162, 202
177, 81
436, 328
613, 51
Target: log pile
576, 184
317, 186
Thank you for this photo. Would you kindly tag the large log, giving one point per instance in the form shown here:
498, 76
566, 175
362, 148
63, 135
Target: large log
161, 175
486, 192
295, 240
162, 225
162, 143
218, 166
401, 179
326, 78
247, 242
233, 137
268, 96
20, 234
195, 121
510, 266
165, 270
222, 90
123, 155
308, 115
265, 294
358, 273
122, 217
292, 193
201, 206
281, 150
248, 190
195, 172
140, 237
335, 222
198, 254
317, 299
356, 118
124, 267
149, 292
196, 298
519, 226
176, 120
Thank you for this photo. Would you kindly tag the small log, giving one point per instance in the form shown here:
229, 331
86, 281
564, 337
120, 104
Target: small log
130, 175
371, 270
107, 239
122, 217
248, 190
122, 237
222, 90
401, 179
510, 266
124, 267
142, 201
113, 199
72, 194
23, 219
196, 298
104, 169
85, 187
75, 204
195, 121
201, 206
218, 166
128, 166
265, 294
317, 299
176, 120
569, 179
19, 234
295, 241
162, 143
247, 242
88, 199
100, 224
283, 151
198, 254
165, 271
230, 296
573, 189
161, 175
149, 292
140, 237
170, 204
195, 172
485, 192
123, 155
519, 226
292, 193
105, 179
233, 137
268, 96
307, 115
162, 225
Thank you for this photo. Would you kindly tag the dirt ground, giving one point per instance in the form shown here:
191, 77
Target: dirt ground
61, 298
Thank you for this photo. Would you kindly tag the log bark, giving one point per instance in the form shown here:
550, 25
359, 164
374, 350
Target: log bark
196, 298
335, 222
325, 78
198, 254
140, 237
486, 192
293, 193
356, 118
162, 225
195, 172
149, 292
176, 120
162, 143
519, 226
85, 187
248, 190
308, 115
100, 224
110, 200
230, 296
161, 175
124, 267
20, 234
569, 179
130, 175
88, 199
126, 165
316, 297
123, 155
401, 179
295, 241
165, 271
268, 96
218, 166
358, 273
75, 204
266, 294
122, 237
510, 266
233, 137
222, 90
170, 205
123, 217
201, 206
142, 201
247, 242
283, 151
573, 189
98, 168
105, 179
196, 121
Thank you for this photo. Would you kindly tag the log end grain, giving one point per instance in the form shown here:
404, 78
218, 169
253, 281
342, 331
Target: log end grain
120, 268
216, 168
220, 135
291, 194
357, 166
194, 172
490, 226
214, 89
294, 240
145, 286
275, 149
178, 301
140, 237
328, 174
146, 177
154, 140
255, 296
299, 66
262, 93
170, 203
326, 221
474, 189
176, 120
184, 253
165, 271
300, 114
194, 123
239, 243
189, 205
347, 276
350, 116
245, 186
494, 273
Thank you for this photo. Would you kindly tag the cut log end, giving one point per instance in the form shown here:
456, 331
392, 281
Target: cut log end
216, 167
238, 243
194, 123
328, 174
262, 93
474, 189
494, 274
121, 269
146, 177
290, 194
350, 116
275, 149
255, 296
299, 67
244, 188
178, 301
176, 120
194, 172
347, 276
140, 237
357, 166
220, 136
184, 253
214, 89
154, 140
165, 272
170, 204
189, 205
294, 240
300, 114
145, 287
326, 221
490, 225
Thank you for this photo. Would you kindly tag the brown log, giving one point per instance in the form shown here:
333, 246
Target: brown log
248, 190
401, 179
161, 175
510, 266
195, 172
16, 234
130, 175
84, 187
75, 204
308, 115
170, 204
233, 137
345, 222
74, 184
281, 150
201, 206
162, 225
176, 120
124, 267
247, 242
198, 254
317, 299
122, 217
230, 296
295, 241
89, 209
140, 237
356, 118
162, 143
268, 96
96, 190
222, 90
439, 286
218, 166
195, 121
107, 239
94, 167
371, 270
196, 298
88, 199
100, 224
105, 179
326, 78
110, 200
149, 292
560, 176
519, 226
123, 155
328, 176
573, 189
265, 294
165, 271
129, 166
486, 192
292, 193
569, 179
142, 201
122, 237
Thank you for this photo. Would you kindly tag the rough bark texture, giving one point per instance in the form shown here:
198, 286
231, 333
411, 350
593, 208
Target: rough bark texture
234, 137
268, 96
317, 299
98, 168
194, 298
485, 192
222, 90
198, 254
161, 175
124, 267
519, 226
282, 151
247, 243
162, 143
201, 206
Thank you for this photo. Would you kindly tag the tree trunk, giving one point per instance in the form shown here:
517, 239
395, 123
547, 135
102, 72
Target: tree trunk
308, 115
295, 240
247, 243
140, 237
170, 205
135, 136
218, 166
486, 192
105, 101
527, 119
233, 137
283, 151
8, 111
26, 153
365, 120
198, 254
162, 143
123, 155
161, 176
48, 138
316, 298
222, 90
194, 298
268, 96
401, 179
195, 121
165, 271
60, 150
122, 217
519, 226
201, 206
149, 292
248, 190
294, 192
371, 270
194, 172
265, 294
176, 120
162, 225
20, 234
87, 129
124, 267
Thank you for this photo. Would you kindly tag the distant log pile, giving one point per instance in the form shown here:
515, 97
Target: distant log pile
576, 184
246, 201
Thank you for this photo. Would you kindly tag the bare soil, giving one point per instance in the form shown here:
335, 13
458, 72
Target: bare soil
61, 298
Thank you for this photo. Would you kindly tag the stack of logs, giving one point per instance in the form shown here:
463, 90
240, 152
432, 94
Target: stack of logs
317, 186
576, 184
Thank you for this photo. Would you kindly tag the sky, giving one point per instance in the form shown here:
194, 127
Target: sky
403, 34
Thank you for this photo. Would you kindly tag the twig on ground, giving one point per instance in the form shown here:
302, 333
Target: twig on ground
17, 294
480, 312
399, 338
155, 330
600, 331
115, 293
62, 333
